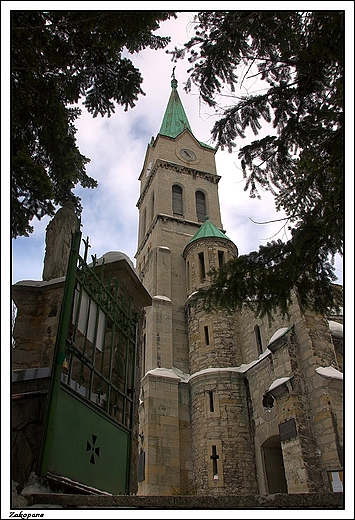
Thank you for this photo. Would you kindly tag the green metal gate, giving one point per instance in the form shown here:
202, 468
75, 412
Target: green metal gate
88, 428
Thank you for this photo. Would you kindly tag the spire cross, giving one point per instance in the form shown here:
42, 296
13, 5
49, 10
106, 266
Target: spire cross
174, 82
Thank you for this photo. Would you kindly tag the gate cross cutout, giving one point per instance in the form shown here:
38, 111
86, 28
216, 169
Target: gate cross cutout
95, 450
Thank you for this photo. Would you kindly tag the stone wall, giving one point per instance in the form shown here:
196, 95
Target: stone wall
210, 248
213, 339
304, 397
38, 309
159, 426
29, 393
221, 432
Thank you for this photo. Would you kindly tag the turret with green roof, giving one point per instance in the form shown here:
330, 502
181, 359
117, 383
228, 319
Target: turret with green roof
208, 230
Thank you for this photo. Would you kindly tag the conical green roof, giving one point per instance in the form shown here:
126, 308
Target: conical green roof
208, 230
175, 120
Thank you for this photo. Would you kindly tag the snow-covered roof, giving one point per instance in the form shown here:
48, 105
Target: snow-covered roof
278, 382
113, 256
329, 372
279, 333
336, 329
175, 373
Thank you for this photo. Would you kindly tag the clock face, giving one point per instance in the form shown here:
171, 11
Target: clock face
187, 155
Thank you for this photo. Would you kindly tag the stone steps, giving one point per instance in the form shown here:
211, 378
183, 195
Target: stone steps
277, 501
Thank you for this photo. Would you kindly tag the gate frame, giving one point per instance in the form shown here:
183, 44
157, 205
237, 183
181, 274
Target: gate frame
60, 354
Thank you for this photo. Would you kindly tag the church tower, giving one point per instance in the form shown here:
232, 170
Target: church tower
230, 403
178, 188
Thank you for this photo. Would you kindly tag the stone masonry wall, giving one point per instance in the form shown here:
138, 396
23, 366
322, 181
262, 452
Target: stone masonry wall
210, 248
35, 330
160, 429
315, 405
317, 350
213, 339
227, 429
28, 409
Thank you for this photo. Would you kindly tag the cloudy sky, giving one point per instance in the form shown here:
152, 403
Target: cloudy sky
117, 146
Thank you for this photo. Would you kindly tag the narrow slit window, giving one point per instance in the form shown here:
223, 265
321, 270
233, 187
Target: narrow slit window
188, 276
220, 258
201, 259
144, 353
152, 207
258, 339
144, 222
211, 397
207, 338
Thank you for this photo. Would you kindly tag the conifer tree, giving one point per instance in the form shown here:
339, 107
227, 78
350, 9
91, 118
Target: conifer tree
299, 57
57, 58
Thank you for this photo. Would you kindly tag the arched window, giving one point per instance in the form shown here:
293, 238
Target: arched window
177, 199
200, 206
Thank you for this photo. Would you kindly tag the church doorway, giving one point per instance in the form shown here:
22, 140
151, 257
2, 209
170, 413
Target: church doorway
273, 465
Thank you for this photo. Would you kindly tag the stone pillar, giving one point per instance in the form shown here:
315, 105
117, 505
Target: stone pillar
58, 242
159, 429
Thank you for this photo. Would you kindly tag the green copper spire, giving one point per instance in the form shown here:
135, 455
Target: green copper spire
208, 230
175, 120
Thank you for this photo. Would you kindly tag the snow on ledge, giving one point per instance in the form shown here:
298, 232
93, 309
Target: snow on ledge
336, 329
191, 295
278, 382
160, 297
241, 369
39, 283
278, 334
173, 373
329, 372
176, 373
34, 486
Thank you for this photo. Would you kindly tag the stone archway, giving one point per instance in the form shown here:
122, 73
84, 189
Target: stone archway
273, 465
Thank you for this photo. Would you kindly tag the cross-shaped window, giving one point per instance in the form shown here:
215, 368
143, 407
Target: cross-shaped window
214, 457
